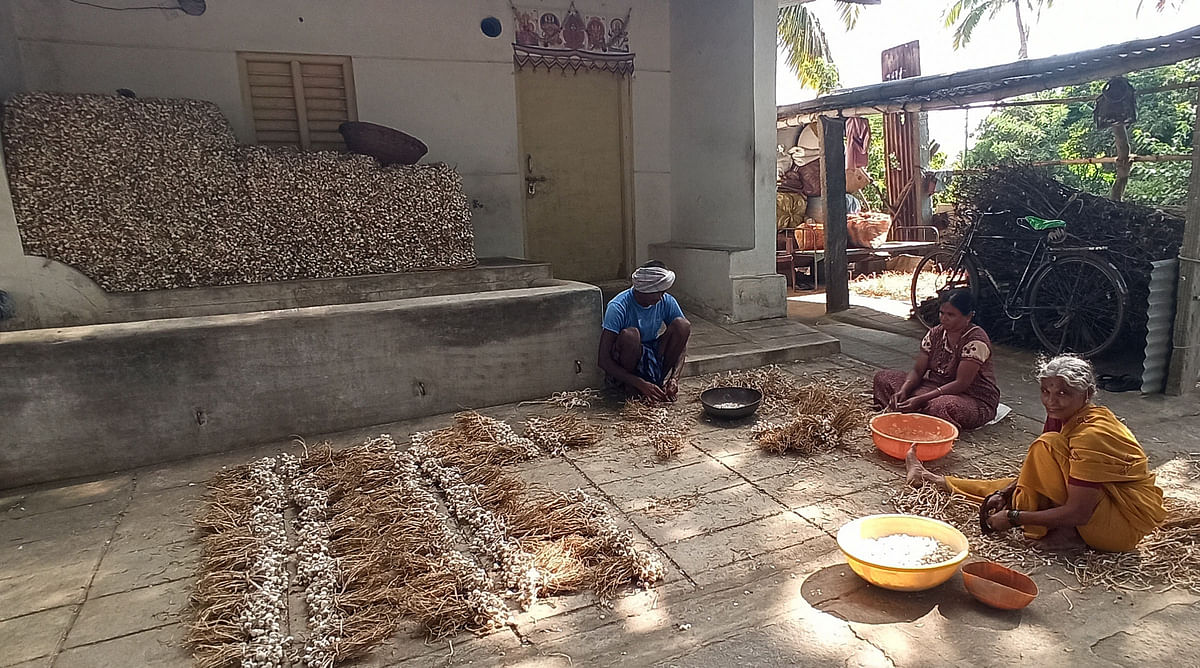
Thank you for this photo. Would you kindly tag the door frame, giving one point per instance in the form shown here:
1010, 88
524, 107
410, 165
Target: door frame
625, 124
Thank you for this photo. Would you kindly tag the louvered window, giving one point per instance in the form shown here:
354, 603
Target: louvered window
298, 100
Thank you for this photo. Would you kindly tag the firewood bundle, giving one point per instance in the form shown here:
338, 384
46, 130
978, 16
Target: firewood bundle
1135, 236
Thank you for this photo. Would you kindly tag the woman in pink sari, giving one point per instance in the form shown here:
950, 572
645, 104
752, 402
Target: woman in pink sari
953, 377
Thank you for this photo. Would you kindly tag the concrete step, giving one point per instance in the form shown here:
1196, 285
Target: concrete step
761, 342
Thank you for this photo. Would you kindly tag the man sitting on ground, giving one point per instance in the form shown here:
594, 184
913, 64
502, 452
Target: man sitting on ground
645, 336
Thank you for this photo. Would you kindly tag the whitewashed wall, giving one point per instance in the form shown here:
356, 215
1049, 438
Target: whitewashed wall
422, 66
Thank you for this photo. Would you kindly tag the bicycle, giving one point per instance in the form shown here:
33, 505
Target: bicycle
1075, 298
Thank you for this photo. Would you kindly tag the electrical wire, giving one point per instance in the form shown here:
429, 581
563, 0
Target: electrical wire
124, 9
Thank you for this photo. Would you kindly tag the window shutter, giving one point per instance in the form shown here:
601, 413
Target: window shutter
298, 100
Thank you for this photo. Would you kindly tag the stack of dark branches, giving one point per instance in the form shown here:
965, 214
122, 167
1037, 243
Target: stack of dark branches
1135, 236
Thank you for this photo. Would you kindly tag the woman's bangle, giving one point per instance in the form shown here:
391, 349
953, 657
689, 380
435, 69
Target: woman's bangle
939, 391
1014, 517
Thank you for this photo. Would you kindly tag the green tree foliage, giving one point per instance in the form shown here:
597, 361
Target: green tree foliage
1066, 131
805, 48
965, 15
876, 193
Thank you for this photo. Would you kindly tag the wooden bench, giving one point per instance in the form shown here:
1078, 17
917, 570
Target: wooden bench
790, 259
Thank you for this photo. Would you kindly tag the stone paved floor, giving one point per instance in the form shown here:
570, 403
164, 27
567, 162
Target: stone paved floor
96, 573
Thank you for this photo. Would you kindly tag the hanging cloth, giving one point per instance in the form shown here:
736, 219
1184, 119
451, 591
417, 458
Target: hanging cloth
858, 142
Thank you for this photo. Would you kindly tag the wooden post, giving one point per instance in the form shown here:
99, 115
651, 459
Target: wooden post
833, 188
1121, 135
1185, 358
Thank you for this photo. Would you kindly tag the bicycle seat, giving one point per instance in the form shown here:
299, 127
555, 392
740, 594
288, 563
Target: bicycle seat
1040, 224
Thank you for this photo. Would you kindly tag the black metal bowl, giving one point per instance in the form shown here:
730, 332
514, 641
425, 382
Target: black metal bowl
745, 398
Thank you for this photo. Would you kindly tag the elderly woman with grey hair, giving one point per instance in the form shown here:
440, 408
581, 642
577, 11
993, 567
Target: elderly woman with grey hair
1085, 479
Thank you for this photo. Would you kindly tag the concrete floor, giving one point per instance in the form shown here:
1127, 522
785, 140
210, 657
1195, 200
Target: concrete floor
96, 573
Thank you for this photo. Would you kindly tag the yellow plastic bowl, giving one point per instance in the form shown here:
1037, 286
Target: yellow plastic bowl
851, 536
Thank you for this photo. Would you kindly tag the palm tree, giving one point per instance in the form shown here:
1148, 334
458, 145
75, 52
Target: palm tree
1161, 5
805, 49
965, 15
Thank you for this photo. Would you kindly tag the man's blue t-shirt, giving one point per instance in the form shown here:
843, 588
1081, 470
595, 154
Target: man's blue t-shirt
624, 311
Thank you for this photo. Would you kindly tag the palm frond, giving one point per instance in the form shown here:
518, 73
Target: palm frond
1159, 5
800, 32
966, 27
950, 16
849, 13
805, 48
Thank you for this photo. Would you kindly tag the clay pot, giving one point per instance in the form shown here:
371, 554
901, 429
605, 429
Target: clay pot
997, 586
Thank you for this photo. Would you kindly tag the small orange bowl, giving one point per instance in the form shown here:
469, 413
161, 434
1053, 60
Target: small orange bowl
997, 586
895, 433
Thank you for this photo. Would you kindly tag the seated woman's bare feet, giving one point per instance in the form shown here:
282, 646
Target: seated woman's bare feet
916, 473
1062, 539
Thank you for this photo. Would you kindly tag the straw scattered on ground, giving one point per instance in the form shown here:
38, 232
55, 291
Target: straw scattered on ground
818, 417
652, 426
776, 385
894, 285
660, 507
1168, 558
570, 399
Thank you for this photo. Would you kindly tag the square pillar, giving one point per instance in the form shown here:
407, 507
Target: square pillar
722, 243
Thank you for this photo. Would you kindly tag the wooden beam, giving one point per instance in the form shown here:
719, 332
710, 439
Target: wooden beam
1108, 160
1021, 77
805, 119
1082, 98
1124, 164
1185, 357
837, 236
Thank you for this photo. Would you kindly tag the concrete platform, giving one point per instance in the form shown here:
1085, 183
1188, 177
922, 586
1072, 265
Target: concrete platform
87, 400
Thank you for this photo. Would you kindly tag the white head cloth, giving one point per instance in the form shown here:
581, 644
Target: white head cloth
653, 279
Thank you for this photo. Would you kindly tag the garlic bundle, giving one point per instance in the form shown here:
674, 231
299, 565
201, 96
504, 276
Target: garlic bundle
650, 426
316, 569
557, 434
266, 604
489, 610
646, 565
488, 531
483, 428
807, 434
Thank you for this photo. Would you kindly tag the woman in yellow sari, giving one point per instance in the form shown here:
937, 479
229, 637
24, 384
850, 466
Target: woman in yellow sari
1086, 478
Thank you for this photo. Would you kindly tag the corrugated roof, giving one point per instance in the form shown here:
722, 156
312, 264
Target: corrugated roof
989, 84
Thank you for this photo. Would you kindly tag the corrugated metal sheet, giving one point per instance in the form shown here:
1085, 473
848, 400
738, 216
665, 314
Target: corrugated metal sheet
1160, 311
901, 139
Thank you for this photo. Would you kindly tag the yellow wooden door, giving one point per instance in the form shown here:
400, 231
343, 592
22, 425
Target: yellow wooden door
574, 138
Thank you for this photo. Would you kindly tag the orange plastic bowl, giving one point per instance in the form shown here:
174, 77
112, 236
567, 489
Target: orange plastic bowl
895, 433
997, 586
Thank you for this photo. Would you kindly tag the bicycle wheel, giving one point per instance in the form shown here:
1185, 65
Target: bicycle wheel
1077, 305
936, 274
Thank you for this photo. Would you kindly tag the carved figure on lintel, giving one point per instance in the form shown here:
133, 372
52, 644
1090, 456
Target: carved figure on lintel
527, 34
551, 30
574, 33
597, 40
618, 35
